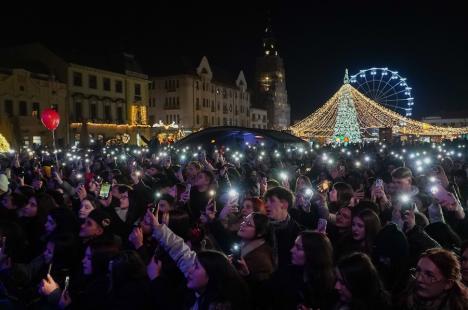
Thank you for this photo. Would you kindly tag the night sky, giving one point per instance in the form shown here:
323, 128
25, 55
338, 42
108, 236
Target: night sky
426, 43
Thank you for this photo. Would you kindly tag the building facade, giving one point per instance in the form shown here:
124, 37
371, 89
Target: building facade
107, 100
270, 92
110, 93
23, 95
447, 121
259, 118
198, 99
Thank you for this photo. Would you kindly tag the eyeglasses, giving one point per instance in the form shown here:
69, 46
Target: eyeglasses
247, 223
426, 276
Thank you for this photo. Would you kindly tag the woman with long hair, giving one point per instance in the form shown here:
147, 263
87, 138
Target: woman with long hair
129, 284
312, 276
364, 228
436, 284
210, 275
302, 182
358, 284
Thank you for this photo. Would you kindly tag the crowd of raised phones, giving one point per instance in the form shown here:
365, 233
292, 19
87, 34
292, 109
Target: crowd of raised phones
369, 226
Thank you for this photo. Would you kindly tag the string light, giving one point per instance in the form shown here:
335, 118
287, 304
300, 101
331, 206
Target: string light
371, 115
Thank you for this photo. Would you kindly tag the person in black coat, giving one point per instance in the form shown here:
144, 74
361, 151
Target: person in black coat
278, 201
126, 212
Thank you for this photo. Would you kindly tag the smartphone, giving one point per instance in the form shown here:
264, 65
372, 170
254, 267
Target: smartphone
439, 192
378, 183
236, 252
105, 190
67, 283
322, 225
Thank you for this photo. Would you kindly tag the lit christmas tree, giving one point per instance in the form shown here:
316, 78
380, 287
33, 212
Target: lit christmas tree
4, 145
346, 127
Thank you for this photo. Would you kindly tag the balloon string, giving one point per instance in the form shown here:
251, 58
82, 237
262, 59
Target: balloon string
55, 150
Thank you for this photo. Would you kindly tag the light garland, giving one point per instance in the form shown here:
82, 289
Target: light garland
370, 115
108, 126
4, 145
138, 115
346, 126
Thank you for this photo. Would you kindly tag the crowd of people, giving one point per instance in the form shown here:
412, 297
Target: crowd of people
368, 226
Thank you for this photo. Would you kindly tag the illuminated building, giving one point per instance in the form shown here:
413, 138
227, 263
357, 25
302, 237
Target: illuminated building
107, 89
199, 96
23, 95
371, 117
270, 91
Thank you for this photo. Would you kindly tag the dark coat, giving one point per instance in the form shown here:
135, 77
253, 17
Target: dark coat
419, 241
285, 234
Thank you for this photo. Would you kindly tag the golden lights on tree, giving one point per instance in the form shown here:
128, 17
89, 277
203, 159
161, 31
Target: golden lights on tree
371, 115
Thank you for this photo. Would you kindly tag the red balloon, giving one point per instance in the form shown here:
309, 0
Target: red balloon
50, 118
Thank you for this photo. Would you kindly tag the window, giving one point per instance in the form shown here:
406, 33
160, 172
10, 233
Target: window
151, 119
92, 81
205, 121
137, 89
106, 84
107, 113
37, 140
198, 119
196, 85
118, 86
36, 107
178, 119
9, 108
23, 108
92, 111
218, 121
178, 103
78, 110
77, 79
224, 121
197, 104
120, 115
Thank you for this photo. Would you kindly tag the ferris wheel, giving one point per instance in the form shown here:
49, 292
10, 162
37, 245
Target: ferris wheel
386, 87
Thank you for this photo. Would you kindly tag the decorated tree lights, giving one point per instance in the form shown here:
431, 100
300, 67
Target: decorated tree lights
4, 145
346, 126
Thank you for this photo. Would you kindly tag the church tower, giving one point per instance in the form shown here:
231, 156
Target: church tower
271, 94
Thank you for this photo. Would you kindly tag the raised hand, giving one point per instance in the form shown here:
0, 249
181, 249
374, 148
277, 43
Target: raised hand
242, 267
153, 269
65, 300
47, 285
136, 237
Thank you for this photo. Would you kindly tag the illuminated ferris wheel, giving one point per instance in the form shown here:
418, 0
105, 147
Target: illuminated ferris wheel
386, 87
